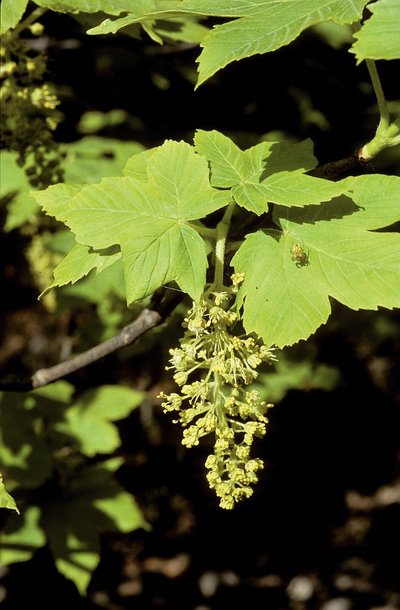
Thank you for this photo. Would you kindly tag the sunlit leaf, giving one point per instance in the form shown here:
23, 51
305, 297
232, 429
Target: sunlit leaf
379, 36
265, 173
287, 298
150, 220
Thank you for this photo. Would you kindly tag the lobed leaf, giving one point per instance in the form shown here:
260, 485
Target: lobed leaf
265, 173
263, 26
148, 220
89, 419
285, 299
143, 11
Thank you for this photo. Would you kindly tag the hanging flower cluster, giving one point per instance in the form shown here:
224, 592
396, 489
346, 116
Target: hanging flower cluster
29, 109
213, 368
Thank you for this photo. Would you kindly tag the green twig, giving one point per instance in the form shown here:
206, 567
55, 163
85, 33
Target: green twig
380, 96
34, 16
222, 234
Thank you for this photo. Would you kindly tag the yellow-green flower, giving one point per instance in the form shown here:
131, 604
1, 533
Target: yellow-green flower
213, 366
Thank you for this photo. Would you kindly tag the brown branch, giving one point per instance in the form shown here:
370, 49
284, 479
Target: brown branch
334, 169
147, 319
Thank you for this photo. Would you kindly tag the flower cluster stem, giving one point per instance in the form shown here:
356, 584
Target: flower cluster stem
387, 133
34, 16
222, 234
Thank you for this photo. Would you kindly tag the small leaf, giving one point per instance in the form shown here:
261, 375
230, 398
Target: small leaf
6, 501
14, 192
289, 189
379, 36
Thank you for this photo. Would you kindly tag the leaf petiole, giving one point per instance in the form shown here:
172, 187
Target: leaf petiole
222, 234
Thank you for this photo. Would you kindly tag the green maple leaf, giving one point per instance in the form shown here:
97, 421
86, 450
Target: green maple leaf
261, 26
286, 298
149, 220
111, 7
268, 172
257, 26
379, 37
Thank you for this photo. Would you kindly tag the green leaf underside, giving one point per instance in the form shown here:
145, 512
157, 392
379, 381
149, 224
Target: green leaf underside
141, 12
258, 26
148, 220
265, 173
111, 7
86, 161
284, 301
379, 37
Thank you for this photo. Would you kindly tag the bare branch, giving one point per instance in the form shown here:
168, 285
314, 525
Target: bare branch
147, 319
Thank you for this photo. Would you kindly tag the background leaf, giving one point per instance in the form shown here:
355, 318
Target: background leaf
85, 161
89, 419
21, 536
96, 503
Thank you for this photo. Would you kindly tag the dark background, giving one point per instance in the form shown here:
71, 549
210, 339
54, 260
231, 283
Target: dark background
323, 527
